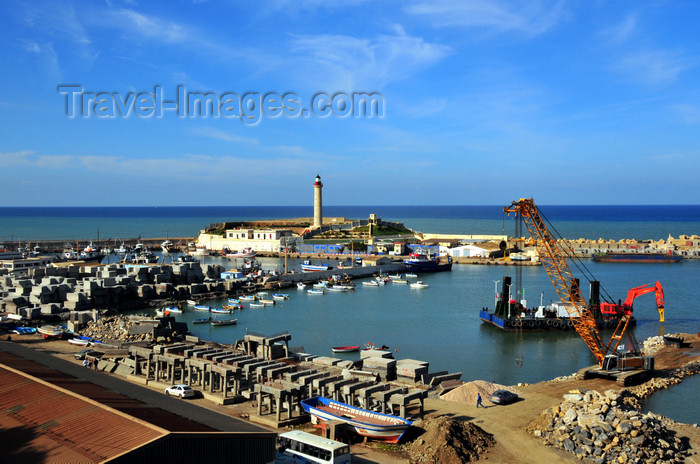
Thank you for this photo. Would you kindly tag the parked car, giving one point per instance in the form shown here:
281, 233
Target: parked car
80, 355
503, 397
183, 391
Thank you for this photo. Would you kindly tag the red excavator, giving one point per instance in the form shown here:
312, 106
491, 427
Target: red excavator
616, 310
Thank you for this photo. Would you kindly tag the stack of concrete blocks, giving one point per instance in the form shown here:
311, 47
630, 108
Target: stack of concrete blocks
379, 362
411, 370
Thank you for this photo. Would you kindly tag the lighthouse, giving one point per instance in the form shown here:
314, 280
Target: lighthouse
318, 202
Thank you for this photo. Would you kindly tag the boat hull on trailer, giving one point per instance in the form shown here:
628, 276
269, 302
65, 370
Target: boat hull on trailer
384, 427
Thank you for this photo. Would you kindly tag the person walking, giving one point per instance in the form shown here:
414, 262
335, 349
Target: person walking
478, 401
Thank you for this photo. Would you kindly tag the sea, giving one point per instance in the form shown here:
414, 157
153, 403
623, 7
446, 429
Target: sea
439, 324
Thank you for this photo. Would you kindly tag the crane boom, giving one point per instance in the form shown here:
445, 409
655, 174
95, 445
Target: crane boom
553, 258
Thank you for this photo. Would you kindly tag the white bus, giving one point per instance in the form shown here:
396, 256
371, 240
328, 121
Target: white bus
302, 447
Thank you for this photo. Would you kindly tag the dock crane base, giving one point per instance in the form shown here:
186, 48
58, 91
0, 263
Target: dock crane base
622, 378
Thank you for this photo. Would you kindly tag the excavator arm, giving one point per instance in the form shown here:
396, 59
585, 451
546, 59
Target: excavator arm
643, 290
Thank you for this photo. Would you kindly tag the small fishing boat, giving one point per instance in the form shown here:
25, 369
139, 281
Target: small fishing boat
345, 286
280, 296
322, 284
234, 300
162, 312
268, 302
23, 330
79, 342
301, 285
419, 284
411, 275
262, 293
233, 306
315, 291
371, 283
257, 305
202, 320
220, 322
306, 266
399, 281
370, 424
51, 331
191, 302
221, 311
244, 253
202, 308
247, 298
345, 349
337, 288
173, 309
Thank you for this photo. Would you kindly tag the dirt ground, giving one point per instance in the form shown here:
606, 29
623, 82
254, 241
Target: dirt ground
506, 423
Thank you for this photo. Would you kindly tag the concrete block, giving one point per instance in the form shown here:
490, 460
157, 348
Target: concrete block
326, 361
378, 363
376, 354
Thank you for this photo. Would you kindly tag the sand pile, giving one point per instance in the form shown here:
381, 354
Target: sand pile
467, 393
447, 441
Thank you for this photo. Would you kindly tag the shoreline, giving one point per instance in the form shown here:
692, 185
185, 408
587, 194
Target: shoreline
509, 425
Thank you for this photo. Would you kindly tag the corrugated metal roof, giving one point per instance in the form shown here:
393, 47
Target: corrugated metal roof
86, 427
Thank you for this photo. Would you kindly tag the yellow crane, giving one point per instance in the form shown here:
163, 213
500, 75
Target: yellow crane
553, 258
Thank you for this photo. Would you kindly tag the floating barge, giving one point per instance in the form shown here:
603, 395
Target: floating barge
510, 315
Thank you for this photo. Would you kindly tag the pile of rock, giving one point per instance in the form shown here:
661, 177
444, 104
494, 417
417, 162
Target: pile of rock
448, 441
467, 393
607, 428
130, 329
672, 378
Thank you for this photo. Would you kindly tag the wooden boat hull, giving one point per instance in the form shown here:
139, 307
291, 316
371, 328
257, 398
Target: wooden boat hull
218, 323
51, 332
345, 349
384, 427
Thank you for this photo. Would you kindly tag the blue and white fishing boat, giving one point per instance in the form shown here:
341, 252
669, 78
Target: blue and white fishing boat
23, 330
221, 311
234, 300
280, 296
202, 308
306, 266
370, 424
315, 291
173, 309
248, 298
321, 284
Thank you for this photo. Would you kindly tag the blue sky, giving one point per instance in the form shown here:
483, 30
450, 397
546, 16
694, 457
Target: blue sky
485, 101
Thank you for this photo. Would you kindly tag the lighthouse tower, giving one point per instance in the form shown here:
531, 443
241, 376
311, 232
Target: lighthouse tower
318, 202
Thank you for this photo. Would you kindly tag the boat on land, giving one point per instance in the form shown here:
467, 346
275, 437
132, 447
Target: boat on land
244, 253
418, 262
202, 308
345, 349
370, 283
618, 257
315, 291
419, 284
201, 320
385, 427
51, 331
220, 322
280, 296
306, 266
23, 330
79, 342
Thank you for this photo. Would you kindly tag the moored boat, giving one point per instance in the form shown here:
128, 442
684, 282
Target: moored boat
337, 288
202, 308
221, 311
345, 349
370, 424
267, 302
191, 302
417, 262
301, 285
411, 275
315, 291
244, 253
247, 298
419, 284
617, 257
306, 266
234, 300
201, 320
370, 283
257, 305
220, 322
280, 296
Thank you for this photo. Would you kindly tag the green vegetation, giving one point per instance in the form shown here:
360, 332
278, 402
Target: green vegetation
383, 230
218, 231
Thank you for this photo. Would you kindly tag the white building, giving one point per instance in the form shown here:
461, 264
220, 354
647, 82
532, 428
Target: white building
262, 240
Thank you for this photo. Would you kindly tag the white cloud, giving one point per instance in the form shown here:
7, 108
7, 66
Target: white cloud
654, 67
361, 63
532, 18
622, 31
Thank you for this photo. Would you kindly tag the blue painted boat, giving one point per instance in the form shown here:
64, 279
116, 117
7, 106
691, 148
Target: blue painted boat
24, 330
417, 262
370, 424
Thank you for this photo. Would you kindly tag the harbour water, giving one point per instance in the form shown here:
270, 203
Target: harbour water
439, 324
